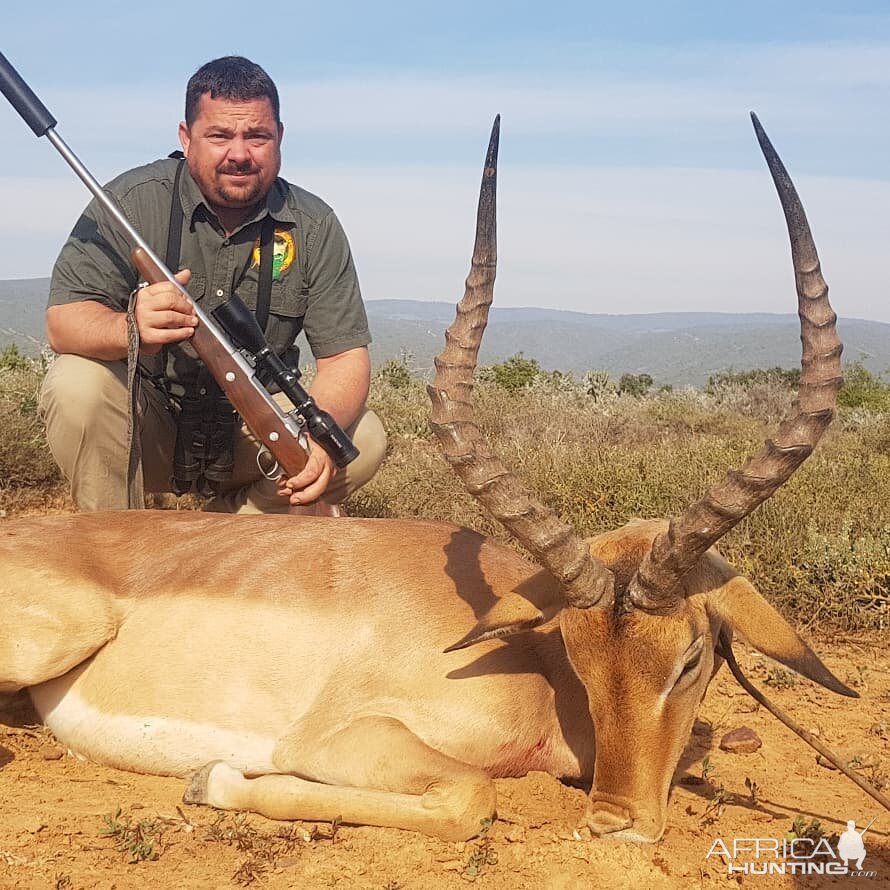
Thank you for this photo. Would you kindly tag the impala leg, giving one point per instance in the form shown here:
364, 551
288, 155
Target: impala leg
374, 772
49, 626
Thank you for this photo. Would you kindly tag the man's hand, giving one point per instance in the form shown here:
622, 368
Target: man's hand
312, 481
164, 315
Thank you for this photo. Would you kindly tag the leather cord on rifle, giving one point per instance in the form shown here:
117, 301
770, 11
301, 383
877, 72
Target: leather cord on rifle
135, 483
724, 650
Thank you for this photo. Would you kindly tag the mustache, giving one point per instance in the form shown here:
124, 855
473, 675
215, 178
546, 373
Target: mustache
246, 167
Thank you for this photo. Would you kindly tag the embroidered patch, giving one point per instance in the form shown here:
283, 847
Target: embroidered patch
285, 252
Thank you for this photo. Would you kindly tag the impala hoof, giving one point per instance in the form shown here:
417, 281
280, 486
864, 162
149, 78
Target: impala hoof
607, 817
197, 792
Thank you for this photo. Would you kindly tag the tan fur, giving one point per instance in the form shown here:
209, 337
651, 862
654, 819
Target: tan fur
308, 654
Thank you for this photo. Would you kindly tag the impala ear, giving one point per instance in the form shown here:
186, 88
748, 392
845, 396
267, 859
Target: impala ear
741, 607
511, 614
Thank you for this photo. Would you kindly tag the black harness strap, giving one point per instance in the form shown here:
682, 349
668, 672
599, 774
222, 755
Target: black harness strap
174, 230
264, 288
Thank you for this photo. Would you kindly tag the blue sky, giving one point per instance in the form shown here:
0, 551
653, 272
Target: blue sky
630, 179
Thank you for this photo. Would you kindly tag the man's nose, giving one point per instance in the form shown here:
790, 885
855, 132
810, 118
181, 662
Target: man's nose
239, 150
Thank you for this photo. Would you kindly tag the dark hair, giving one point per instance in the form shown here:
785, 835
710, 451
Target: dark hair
231, 77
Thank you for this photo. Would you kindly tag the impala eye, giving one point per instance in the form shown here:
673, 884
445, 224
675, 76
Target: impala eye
692, 657
691, 665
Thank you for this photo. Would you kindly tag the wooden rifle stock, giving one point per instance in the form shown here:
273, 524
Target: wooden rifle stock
279, 432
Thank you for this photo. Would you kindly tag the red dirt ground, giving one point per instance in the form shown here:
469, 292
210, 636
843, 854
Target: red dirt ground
54, 809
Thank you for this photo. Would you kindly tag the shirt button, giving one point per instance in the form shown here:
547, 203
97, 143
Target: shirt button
226, 243
219, 293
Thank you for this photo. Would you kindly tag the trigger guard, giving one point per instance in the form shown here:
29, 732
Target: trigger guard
272, 471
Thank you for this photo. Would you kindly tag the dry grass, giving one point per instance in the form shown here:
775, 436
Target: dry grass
820, 548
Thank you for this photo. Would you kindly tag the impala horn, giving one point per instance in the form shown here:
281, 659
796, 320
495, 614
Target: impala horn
654, 588
555, 545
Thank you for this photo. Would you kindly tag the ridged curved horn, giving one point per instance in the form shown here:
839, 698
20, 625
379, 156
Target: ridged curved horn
654, 587
554, 544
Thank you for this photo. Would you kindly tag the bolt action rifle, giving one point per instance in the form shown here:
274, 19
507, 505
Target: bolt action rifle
230, 343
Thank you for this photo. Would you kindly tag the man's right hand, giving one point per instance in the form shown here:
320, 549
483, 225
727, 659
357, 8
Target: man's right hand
164, 315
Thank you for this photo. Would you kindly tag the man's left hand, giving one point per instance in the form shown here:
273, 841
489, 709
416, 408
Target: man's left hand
312, 481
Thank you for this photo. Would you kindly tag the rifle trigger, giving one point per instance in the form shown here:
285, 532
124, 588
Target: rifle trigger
267, 464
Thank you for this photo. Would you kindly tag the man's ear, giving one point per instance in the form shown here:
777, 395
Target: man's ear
184, 137
740, 607
511, 614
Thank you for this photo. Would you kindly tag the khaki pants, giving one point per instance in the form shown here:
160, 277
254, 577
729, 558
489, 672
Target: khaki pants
84, 406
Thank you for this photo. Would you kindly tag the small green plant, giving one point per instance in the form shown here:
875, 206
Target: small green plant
719, 795
707, 770
138, 840
716, 805
482, 855
811, 830
880, 729
859, 680
262, 851
780, 678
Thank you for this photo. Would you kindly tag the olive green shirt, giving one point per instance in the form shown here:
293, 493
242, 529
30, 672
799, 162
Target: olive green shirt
314, 286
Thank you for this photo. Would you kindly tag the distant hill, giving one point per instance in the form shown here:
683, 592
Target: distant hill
674, 347
22, 302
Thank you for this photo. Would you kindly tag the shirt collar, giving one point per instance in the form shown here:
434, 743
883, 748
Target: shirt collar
276, 204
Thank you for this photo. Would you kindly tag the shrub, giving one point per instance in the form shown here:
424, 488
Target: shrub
636, 385
789, 378
395, 372
24, 457
12, 360
862, 389
517, 372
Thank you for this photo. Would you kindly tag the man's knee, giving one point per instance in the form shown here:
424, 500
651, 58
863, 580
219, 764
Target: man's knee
80, 390
369, 437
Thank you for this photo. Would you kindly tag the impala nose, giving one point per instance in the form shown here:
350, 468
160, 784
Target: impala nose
606, 818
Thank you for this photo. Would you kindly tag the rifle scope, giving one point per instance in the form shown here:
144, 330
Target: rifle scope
241, 326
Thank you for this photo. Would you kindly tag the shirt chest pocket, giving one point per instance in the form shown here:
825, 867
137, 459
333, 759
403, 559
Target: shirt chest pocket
288, 298
287, 307
197, 286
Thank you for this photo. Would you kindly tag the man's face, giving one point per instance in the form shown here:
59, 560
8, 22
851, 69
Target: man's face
233, 150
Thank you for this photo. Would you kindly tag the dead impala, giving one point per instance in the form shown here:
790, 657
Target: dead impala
384, 671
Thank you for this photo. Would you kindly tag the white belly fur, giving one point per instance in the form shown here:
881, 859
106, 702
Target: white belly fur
151, 744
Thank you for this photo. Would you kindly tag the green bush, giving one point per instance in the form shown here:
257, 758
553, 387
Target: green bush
517, 372
12, 360
636, 385
785, 377
395, 373
862, 389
